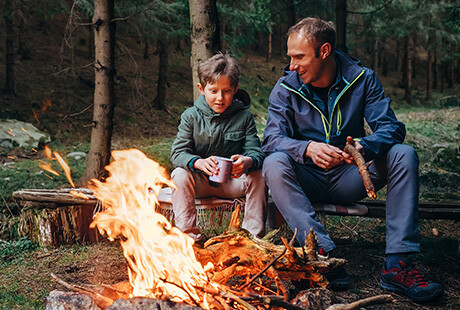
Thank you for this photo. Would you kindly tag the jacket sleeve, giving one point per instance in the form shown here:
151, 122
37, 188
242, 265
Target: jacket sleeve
279, 131
183, 148
386, 129
252, 146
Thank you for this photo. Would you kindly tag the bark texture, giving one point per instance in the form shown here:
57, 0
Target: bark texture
104, 94
9, 48
341, 19
162, 83
205, 35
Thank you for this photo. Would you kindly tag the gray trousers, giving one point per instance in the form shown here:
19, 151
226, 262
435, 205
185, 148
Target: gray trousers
294, 187
190, 185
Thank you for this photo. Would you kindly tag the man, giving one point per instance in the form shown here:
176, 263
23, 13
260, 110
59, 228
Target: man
324, 98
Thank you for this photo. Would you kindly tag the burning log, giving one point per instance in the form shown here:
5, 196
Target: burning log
249, 257
361, 163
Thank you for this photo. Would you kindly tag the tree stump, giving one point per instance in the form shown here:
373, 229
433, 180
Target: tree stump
54, 217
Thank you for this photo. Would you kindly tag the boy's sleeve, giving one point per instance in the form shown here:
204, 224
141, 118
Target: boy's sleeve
252, 147
183, 148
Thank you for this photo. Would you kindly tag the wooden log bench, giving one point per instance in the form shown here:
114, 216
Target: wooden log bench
54, 217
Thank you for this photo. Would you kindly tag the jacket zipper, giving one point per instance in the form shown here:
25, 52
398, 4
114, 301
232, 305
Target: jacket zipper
328, 130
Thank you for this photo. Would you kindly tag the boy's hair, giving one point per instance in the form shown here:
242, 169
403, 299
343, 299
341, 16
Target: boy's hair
220, 64
317, 30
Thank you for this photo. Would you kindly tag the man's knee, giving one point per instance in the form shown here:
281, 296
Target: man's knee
275, 162
403, 154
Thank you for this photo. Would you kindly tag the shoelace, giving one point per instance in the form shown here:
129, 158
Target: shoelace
419, 279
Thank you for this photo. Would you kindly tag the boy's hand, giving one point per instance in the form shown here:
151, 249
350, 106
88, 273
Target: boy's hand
240, 165
207, 165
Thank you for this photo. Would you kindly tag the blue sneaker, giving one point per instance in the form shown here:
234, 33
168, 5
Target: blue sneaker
409, 282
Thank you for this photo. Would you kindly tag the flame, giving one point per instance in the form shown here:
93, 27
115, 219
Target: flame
65, 167
46, 105
162, 263
47, 167
78, 194
48, 152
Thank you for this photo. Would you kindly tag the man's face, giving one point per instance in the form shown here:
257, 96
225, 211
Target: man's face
219, 95
303, 59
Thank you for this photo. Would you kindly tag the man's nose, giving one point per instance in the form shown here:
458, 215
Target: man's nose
292, 65
220, 95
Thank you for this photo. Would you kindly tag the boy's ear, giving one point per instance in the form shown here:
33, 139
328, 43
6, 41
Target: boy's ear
200, 88
236, 88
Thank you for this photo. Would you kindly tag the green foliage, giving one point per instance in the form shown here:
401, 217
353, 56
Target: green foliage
13, 251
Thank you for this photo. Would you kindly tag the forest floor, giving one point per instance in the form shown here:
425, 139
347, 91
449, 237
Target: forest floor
65, 78
25, 279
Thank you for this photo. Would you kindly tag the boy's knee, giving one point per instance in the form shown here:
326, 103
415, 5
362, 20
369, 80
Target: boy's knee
181, 176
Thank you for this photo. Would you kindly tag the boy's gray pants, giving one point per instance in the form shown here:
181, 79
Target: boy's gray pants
294, 187
191, 185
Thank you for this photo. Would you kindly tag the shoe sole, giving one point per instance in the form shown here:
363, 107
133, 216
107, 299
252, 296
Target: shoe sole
394, 288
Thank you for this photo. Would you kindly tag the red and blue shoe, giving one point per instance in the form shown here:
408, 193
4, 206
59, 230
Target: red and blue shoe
409, 282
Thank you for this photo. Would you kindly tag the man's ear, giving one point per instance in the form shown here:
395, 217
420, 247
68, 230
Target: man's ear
325, 50
200, 88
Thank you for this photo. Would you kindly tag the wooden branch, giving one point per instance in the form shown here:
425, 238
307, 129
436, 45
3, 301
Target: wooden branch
270, 263
361, 163
99, 299
379, 299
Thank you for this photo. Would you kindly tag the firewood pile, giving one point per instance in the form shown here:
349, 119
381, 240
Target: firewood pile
251, 273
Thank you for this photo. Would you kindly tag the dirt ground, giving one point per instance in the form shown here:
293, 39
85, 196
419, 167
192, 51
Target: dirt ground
360, 242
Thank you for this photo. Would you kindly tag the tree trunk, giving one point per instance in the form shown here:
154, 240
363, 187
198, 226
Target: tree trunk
341, 22
160, 100
450, 69
269, 51
429, 70
375, 56
9, 48
436, 68
104, 94
205, 35
408, 67
399, 64
290, 13
146, 49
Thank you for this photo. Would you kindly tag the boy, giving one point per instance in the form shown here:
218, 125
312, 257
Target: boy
218, 124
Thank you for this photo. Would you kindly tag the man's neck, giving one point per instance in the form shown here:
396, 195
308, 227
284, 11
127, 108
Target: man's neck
329, 73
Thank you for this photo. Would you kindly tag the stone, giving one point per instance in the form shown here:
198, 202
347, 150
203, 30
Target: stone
142, 303
59, 300
15, 133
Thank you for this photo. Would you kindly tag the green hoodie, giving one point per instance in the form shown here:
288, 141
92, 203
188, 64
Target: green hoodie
203, 132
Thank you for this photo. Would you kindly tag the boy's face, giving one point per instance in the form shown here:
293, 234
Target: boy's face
219, 95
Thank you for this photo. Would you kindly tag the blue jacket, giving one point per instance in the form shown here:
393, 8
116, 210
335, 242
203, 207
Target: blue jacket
295, 117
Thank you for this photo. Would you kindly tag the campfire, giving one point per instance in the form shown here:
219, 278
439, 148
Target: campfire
234, 270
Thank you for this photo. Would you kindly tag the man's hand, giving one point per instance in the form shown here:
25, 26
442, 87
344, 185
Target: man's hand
240, 165
324, 155
207, 165
347, 157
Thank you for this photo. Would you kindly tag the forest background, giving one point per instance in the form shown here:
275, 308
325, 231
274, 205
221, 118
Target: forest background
48, 74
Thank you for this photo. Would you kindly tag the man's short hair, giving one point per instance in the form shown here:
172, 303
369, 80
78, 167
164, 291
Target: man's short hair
317, 30
218, 65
